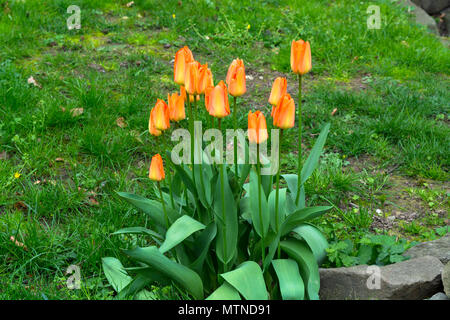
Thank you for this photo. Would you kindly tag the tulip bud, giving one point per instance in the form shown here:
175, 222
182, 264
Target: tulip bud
257, 127
192, 77
284, 113
205, 79
156, 171
217, 100
300, 57
279, 89
182, 58
236, 78
176, 107
160, 115
151, 128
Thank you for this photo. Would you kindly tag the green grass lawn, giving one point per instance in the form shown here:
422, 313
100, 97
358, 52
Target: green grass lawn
387, 155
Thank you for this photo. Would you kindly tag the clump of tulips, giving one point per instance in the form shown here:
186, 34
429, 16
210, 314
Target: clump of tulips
226, 231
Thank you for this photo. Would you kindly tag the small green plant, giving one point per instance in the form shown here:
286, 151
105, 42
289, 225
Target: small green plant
370, 249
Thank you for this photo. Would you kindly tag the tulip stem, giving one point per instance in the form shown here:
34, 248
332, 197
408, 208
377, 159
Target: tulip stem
169, 180
235, 138
258, 169
199, 155
222, 191
191, 129
163, 205
278, 190
299, 166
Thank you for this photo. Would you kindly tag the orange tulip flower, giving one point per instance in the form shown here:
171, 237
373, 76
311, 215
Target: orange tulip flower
182, 58
236, 78
160, 115
156, 171
284, 113
176, 107
151, 128
257, 127
192, 77
205, 79
279, 89
217, 100
300, 57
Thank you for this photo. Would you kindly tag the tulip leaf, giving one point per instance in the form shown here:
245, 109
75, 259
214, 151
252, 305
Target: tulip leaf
291, 206
116, 274
260, 223
274, 240
202, 244
186, 175
203, 176
276, 223
244, 169
151, 207
182, 228
134, 287
245, 210
295, 219
315, 240
291, 181
226, 216
225, 292
138, 230
248, 279
182, 275
289, 278
267, 183
309, 270
313, 159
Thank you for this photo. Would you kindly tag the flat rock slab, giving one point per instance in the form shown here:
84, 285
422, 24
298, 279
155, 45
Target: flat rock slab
439, 248
414, 279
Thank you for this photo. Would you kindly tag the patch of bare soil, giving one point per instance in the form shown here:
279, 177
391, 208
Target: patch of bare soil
400, 206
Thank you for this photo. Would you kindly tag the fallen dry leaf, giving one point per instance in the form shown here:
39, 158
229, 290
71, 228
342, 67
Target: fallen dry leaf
129, 4
334, 111
76, 112
20, 205
59, 159
32, 81
93, 202
121, 122
17, 243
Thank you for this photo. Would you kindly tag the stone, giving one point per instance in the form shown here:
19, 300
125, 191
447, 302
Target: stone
439, 248
414, 279
439, 296
422, 17
432, 6
445, 23
446, 279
